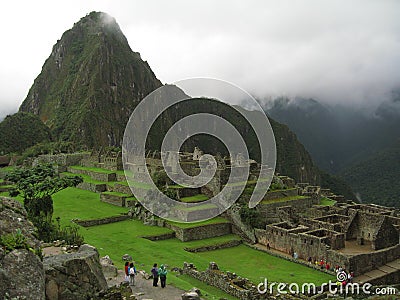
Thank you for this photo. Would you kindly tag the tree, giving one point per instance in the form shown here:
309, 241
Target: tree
36, 186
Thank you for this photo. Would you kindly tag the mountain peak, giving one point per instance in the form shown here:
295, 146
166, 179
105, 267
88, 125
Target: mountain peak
91, 72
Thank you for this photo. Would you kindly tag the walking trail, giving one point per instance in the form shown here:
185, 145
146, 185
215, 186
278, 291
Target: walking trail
144, 290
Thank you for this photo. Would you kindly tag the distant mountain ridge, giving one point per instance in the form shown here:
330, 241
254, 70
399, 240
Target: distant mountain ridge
346, 142
339, 136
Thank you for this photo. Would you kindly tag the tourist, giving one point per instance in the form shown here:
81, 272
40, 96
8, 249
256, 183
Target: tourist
327, 266
126, 271
154, 271
132, 273
162, 273
309, 260
295, 256
268, 247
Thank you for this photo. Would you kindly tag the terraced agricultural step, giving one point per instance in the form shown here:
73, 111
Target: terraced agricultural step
119, 199
95, 174
196, 212
202, 230
88, 184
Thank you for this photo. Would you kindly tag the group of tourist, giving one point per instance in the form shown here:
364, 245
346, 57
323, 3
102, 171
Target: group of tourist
157, 273
322, 264
161, 273
130, 273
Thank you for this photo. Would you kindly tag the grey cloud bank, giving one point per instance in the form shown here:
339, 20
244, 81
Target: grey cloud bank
345, 52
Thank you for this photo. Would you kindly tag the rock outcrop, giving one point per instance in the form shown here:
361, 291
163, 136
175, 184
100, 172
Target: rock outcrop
74, 276
21, 270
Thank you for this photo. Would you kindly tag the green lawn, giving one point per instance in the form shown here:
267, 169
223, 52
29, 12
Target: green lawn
193, 199
124, 237
98, 170
74, 203
327, 202
257, 265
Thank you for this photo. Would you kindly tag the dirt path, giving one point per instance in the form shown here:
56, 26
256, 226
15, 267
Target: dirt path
144, 290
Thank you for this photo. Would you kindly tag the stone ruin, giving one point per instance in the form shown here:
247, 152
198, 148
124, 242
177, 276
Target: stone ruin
108, 160
357, 237
232, 284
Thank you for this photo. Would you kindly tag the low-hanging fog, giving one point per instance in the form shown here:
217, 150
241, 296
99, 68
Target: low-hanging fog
339, 52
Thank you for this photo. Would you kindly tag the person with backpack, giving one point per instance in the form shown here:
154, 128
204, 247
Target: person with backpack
126, 271
154, 271
132, 273
162, 273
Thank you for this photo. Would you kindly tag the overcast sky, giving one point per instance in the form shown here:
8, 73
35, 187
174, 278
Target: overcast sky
335, 51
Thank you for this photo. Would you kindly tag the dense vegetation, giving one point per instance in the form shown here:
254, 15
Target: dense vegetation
36, 186
21, 131
375, 180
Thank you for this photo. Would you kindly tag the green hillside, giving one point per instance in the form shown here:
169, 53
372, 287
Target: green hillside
375, 180
21, 131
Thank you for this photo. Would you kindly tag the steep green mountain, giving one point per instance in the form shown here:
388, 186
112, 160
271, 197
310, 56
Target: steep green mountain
376, 179
292, 158
90, 84
21, 131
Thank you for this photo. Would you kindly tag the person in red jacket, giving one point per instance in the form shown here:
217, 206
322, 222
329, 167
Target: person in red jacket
126, 271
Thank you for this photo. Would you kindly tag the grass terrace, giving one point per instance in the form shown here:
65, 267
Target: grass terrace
196, 208
86, 178
217, 220
327, 202
194, 199
93, 169
74, 203
283, 199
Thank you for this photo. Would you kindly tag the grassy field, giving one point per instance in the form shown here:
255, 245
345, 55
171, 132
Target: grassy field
327, 202
74, 203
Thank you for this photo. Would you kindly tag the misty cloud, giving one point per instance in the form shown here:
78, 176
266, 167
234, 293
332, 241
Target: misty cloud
334, 51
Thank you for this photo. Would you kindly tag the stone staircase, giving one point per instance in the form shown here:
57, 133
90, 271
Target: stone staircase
385, 274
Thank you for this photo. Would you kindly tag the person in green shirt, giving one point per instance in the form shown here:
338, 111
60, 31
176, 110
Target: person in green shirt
162, 272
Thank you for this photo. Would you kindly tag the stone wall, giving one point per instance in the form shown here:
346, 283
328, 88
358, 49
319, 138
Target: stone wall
300, 239
61, 159
363, 263
160, 237
113, 199
101, 221
373, 227
200, 232
281, 194
93, 187
269, 210
121, 188
228, 244
230, 283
